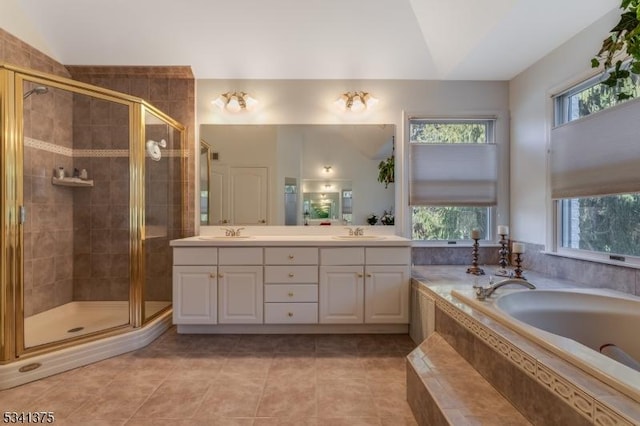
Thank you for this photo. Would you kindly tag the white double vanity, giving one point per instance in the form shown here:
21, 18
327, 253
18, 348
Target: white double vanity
291, 284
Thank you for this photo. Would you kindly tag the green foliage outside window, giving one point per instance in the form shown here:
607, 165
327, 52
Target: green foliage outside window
447, 132
602, 96
448, 223
609, 224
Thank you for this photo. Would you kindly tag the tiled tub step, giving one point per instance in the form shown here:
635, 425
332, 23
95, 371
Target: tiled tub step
444, 389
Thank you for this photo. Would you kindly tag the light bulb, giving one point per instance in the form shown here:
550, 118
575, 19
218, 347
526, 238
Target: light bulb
357, 104
233, 105
341, 102
250, 102
220, 102
370, 100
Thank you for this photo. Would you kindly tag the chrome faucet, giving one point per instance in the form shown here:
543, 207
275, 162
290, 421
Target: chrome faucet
230, 232
484, 292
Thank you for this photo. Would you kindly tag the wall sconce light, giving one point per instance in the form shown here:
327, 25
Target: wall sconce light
356, 101
327, 186
327, 169
235, 101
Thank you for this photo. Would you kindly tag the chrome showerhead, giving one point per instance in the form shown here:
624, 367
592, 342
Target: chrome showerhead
38, 90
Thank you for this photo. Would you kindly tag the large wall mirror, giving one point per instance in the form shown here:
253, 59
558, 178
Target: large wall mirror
293, 174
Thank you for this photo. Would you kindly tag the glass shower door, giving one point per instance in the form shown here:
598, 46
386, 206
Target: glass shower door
164, 192
75, 180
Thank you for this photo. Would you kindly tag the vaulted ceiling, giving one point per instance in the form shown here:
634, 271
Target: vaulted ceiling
314, 39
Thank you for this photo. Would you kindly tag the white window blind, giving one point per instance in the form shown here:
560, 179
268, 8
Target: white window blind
598, 154
458, 174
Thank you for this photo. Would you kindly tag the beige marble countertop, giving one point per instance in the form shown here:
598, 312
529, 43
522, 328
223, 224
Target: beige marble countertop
248, 240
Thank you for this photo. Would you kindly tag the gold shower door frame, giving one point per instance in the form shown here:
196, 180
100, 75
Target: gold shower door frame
11, 199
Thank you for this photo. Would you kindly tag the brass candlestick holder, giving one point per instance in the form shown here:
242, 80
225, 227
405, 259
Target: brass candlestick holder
518, 269
474, 269
504, 253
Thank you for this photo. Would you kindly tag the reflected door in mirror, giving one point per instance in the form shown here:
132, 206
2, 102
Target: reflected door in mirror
248, 195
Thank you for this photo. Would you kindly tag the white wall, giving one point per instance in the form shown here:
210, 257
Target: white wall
14, 21
531, 118
312, 102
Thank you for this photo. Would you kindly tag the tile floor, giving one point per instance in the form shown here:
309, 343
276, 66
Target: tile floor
229, 380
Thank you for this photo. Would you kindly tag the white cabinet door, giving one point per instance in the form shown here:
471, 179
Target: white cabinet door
341, 294
386, 294
194, 295
240, 294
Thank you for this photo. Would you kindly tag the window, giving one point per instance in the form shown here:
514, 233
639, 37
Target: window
606, 224
592, 96
595, 178
453, 183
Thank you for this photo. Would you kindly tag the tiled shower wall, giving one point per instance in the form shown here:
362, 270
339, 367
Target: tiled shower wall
101, 213
98, 211
170, 89
48, 231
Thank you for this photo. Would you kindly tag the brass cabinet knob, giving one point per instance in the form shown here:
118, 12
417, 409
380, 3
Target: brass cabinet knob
290, 314
360, 275
221, 275
368, 275
290, 294
290, 274
263, 221
291, 256
212, 275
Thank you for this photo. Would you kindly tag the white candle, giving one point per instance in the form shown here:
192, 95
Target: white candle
503, 230
475, 234
517, 248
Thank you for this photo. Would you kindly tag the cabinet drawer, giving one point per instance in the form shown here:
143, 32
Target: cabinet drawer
342, 256
291, 313
195, 256
291, 256
291, 274
240, 256
388, 255
290, 293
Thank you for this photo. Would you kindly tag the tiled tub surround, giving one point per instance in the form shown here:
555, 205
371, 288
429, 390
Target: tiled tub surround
586, 273
543, 387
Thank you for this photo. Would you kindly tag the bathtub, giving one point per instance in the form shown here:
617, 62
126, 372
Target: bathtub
573, 324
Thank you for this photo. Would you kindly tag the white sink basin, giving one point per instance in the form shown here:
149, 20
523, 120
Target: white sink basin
223, 237
357, 237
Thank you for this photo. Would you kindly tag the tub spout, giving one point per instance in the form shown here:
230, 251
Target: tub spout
484, 292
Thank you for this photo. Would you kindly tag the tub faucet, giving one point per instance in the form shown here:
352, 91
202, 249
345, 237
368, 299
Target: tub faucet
484, 292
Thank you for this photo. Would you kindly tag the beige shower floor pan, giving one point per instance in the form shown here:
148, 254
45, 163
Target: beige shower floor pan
79, 318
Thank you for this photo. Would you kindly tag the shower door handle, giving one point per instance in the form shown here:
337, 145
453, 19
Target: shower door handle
22, 212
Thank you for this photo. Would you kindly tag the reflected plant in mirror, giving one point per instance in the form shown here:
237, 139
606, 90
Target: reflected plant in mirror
315, 175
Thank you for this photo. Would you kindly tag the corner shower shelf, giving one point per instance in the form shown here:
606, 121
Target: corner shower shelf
71, 181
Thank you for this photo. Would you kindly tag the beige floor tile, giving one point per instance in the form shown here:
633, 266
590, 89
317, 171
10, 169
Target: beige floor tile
345, 398
340, 366
174, 399
248, 365
119, 400
348, 421
231, 397
233, 380
337, 343
288, 398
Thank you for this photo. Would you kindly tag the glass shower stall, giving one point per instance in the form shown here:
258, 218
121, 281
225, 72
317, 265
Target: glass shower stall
92, 191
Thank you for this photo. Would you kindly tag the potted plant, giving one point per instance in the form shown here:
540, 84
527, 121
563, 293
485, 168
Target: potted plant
387, 218
623, 42
386, 170
372, 219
